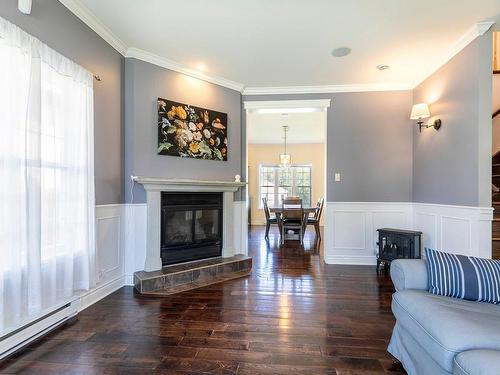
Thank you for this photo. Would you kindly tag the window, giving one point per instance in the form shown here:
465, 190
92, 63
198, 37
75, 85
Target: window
47, 252
277, 182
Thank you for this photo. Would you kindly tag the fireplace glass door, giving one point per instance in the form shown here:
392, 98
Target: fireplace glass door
206, 225
191, 226
179, 227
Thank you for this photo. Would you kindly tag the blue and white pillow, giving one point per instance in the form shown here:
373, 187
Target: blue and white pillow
460, 276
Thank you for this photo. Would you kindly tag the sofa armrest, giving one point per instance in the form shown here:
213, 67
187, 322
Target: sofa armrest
409, 274
477, 362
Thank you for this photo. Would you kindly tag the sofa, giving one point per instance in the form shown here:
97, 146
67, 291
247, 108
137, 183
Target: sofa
437, 335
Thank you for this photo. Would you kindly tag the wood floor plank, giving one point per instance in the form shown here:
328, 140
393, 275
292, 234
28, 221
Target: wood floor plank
292, 315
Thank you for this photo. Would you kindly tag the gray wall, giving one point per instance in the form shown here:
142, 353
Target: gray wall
453, 166
56, 26
369, 134
144, 83
369, 141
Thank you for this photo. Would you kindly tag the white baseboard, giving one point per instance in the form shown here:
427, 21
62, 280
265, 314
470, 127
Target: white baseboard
351, 237
129, 280
351, 260
101, 291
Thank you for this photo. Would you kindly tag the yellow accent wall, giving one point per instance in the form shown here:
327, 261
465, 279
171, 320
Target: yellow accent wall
268, 154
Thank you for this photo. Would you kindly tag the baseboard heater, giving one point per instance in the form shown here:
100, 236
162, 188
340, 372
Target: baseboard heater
15, 340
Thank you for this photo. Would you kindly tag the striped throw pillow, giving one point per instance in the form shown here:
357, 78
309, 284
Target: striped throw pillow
460, 276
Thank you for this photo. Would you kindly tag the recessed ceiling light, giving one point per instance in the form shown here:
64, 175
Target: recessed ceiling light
382, 67
341, 51
201, 67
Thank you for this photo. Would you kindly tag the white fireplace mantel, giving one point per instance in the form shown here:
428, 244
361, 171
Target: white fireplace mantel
155, 186
177, 184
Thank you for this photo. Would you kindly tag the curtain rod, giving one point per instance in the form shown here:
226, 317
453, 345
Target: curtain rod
97, 77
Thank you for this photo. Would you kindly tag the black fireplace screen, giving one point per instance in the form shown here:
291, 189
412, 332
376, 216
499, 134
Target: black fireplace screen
191, 226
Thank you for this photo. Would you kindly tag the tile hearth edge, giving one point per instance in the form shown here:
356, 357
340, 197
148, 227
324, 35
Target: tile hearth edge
177, 278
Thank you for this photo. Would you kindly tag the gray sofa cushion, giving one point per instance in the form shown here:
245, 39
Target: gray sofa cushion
477, 362
447, 326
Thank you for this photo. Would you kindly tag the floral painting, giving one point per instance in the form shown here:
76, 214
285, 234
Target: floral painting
188, 131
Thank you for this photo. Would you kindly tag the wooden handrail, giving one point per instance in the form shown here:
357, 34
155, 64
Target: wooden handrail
496, 113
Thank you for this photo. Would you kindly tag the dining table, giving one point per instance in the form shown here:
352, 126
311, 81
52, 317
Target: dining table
278, 210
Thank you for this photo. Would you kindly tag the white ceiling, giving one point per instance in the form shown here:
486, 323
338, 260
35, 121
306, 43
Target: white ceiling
263, 43
267, 128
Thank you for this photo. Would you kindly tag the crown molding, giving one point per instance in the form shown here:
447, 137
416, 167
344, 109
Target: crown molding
86, 16
470, 35
287, 104
95, 24
151, 58
325, 89
104, 32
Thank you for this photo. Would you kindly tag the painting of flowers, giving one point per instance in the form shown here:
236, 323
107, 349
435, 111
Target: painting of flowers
188, 131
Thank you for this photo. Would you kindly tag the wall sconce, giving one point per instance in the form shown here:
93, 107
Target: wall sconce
421, 111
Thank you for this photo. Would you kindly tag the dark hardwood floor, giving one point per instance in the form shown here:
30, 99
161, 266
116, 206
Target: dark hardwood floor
293, 315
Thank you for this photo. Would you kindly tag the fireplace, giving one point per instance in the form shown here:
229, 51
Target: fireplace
191, 226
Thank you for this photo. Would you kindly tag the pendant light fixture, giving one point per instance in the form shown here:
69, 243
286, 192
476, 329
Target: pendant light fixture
285, 158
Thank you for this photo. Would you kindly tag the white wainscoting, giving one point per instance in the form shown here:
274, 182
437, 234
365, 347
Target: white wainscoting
134, 239
456, 229
351, 236
240, 212
110, 253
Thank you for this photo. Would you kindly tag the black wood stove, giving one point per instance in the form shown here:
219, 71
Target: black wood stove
397, 244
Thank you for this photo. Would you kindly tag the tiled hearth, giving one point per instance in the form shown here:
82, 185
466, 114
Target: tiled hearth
181, 277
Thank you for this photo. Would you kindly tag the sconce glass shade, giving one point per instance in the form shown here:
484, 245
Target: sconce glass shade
419, 111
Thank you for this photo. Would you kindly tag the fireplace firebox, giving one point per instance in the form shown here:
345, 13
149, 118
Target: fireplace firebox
191, 226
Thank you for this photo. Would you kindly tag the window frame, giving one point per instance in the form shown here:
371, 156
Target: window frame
276, 185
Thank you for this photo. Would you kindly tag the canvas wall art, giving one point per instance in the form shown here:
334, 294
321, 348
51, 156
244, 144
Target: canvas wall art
188, 131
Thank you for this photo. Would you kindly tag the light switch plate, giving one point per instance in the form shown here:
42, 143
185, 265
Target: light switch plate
337, 177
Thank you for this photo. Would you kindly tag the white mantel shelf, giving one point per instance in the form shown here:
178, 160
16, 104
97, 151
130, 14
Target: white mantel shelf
176, 184
155, 186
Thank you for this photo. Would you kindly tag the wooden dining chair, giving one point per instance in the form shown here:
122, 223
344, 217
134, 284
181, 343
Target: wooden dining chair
269, 219
314, 220
292, 200
292, 218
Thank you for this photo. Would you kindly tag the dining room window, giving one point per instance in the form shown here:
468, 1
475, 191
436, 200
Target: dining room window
277, 182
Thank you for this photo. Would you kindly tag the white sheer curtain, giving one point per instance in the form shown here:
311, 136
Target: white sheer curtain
47, 200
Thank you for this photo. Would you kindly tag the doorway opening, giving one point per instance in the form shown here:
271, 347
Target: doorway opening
286, 157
